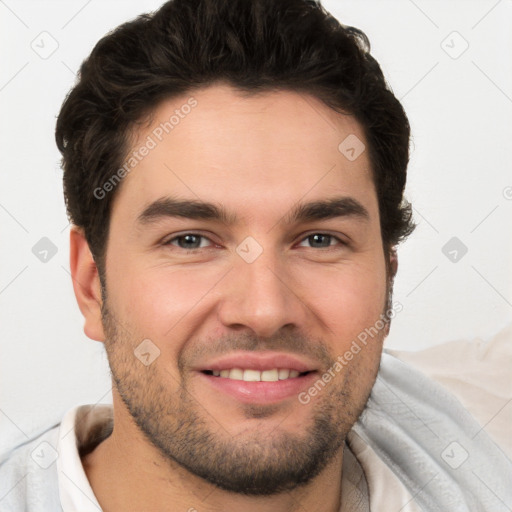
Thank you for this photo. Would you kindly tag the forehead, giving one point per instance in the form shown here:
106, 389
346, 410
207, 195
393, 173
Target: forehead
225, 146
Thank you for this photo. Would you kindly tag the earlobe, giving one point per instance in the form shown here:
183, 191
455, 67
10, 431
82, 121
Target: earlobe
86, 284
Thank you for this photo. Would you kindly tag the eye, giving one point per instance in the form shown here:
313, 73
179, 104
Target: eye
188, 241
322, 240
192, 241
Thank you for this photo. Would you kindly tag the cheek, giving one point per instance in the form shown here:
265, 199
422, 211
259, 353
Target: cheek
349, 301
162, 302
159, 300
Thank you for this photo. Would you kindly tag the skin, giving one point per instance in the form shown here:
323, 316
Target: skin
258, 156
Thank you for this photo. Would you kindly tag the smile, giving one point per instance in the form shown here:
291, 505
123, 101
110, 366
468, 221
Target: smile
250, 375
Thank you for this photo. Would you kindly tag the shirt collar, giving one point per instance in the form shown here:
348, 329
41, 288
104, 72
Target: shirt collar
81, 429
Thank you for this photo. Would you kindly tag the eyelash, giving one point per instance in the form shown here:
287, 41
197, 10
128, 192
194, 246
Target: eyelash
169, 242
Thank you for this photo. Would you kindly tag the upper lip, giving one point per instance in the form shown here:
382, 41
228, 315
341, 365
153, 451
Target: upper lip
259, 361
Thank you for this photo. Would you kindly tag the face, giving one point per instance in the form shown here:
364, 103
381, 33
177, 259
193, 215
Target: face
245, 250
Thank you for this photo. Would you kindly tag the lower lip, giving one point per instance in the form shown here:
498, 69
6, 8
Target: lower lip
260, 392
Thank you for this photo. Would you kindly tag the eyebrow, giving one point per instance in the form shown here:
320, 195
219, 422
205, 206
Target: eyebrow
302, 212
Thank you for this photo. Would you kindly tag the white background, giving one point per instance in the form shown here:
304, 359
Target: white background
460, 110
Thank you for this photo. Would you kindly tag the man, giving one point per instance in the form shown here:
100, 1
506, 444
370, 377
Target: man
234, 172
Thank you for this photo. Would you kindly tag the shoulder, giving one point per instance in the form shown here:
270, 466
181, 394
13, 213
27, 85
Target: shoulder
478, 373
28, 475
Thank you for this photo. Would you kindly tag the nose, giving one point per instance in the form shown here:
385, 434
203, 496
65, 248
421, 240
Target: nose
262, 296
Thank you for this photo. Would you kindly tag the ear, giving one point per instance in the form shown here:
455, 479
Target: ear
392, 269
86, 284
393, 263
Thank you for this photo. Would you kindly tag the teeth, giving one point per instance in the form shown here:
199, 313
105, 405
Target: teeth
249, 375
270, 375
284, 374
252, 376
236, 374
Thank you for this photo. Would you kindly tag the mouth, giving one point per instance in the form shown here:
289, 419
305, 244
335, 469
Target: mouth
250, 375
259, 377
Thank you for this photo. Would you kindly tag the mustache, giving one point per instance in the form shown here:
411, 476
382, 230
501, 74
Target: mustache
286, 340
290, 342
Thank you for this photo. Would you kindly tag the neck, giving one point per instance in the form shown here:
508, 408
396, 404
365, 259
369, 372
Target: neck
126, 472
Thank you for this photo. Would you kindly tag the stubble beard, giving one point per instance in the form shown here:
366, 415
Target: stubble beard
256, 462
